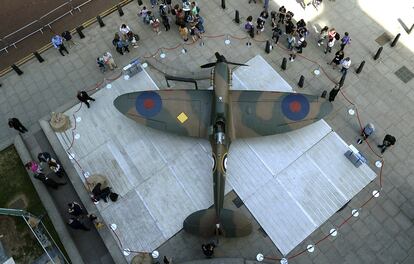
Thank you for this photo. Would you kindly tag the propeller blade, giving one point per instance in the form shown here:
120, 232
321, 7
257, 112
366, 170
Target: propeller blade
208, 65
239, 64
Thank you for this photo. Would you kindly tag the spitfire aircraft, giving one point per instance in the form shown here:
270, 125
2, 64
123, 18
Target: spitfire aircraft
221, 115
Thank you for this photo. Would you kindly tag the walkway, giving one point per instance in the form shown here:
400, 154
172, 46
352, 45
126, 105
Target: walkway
384, 231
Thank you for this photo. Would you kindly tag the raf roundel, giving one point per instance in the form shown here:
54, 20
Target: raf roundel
295, 106
148, 104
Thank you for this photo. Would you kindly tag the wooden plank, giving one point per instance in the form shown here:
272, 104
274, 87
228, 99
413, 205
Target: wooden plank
269, 79
144, 236
167, 201
280, 216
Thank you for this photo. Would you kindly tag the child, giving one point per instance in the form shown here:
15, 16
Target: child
183, 32
322, 35
33, 167
155, 23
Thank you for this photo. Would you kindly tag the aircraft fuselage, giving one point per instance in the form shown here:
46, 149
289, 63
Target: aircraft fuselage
219, 140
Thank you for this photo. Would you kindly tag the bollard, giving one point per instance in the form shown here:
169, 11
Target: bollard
378, 53
101, 23
342, 80
223, 4
80, 33
120, 11
16, 69
301, 81
284, 62
332, 94
38, 57
361, 66
394, 42
237, 17
140, 2
268, 47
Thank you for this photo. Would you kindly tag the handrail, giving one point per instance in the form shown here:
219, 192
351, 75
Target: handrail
31, 23
50, 12
44, 25
49, 45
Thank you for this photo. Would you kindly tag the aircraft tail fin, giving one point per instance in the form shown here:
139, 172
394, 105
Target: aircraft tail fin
204, 223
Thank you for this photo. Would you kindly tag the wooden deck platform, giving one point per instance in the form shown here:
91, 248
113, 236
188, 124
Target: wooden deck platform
291, 183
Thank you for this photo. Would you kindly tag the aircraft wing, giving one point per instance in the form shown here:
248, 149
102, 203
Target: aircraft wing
181, 112
262, 113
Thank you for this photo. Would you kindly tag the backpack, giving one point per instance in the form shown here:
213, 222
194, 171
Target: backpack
337, 36
173, 12
304, 44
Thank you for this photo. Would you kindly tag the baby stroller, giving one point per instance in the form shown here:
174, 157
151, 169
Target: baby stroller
101, 64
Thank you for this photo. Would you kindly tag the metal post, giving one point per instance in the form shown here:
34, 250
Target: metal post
120, 11
301, 81
284, 62
394, 42
38, 57
378, 53
237, 17
101, 23
17, 69
268, 47
341, 82
80, 33
361, 66
333, 93
223, 4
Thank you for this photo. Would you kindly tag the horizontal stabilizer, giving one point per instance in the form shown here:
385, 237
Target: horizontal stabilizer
204, 223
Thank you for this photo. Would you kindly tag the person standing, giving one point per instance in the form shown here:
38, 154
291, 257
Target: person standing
109, 60
55, 167
16, 124
333, 93
282, 14
366, 132
339, 55
346, 63
345, 40
84, 97
291, 41
57, 42
75, 209
48, 181
44, 157
183, 30
322, 35
166, 22
68, 38
277, 32
387, 142
76, 224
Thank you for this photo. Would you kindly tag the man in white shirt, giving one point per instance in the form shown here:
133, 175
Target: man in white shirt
346, 63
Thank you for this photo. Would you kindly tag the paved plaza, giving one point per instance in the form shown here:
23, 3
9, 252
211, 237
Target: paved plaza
384, 231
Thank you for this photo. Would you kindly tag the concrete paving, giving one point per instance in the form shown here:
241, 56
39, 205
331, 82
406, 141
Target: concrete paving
384, 231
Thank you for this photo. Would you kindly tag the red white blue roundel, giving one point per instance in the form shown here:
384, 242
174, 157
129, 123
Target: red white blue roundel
148, 104
295, 106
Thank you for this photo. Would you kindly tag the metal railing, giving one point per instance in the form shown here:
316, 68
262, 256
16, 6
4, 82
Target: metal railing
7, 43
